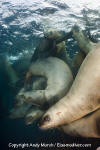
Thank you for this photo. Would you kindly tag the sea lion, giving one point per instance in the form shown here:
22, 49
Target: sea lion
59, 79
88, 126
82, 98
53, 44
33, 114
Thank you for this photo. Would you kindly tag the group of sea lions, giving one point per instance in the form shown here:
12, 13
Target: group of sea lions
50, 93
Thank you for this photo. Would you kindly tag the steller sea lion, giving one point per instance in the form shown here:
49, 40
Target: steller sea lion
33, 114
88, 126
53, 44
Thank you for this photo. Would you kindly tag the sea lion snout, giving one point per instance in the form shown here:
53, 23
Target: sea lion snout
29, 120
19, 100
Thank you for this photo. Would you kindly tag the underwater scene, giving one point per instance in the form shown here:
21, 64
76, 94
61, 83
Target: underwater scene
50, 74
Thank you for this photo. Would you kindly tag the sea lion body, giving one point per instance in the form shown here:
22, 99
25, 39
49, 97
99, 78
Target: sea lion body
88, 126
59, 79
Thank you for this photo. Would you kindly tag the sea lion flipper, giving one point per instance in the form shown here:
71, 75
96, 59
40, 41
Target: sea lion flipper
78, 59
85, 44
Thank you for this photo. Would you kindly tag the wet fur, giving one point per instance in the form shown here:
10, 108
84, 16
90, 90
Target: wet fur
89, 126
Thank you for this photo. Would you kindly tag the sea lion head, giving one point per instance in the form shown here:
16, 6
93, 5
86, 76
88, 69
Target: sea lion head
52, 34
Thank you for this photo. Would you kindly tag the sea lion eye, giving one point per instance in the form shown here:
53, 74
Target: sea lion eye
45, 119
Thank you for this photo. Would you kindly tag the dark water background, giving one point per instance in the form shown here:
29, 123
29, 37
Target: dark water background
21, 27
